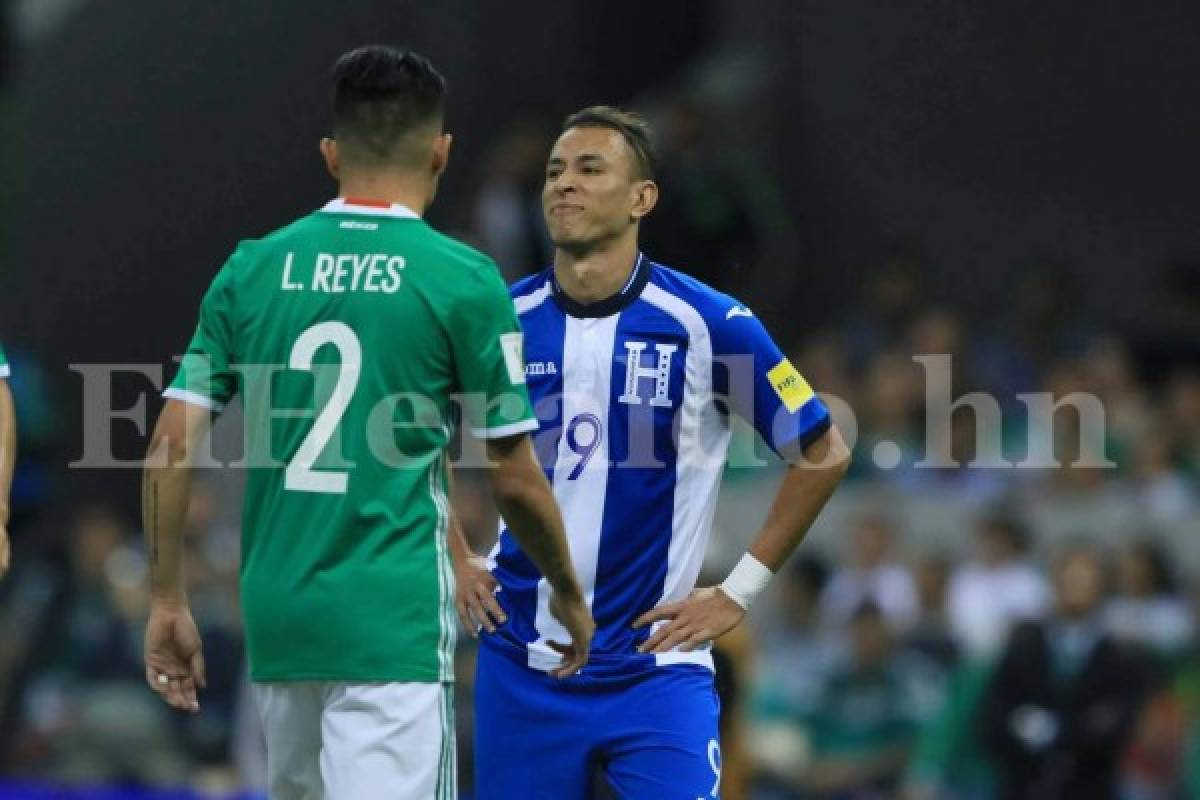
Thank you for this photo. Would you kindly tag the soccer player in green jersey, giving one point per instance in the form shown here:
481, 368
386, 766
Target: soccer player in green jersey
8, 455
345, 334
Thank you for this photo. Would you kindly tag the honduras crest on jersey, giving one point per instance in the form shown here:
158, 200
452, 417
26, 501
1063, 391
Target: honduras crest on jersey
633, 396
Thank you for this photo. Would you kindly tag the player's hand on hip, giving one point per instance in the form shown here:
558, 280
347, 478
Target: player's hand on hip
173, 655
475, 596
570, 609
706, 614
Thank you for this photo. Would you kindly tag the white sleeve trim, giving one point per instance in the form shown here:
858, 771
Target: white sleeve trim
194, 398
500, 431
4, 371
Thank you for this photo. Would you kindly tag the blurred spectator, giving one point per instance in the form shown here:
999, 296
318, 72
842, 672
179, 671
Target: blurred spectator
890, 407
87, 715
1111, 376
1039, 325
715, 202
508, 207
865, 726
949, 760
1182, 418
1160, 490
871, 574
796, 653
1147, 610
932, 636
995, 589
888, 303
795, 660
1060, 709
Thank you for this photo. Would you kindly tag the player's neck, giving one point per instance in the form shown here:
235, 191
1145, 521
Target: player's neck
391, 189
597, 274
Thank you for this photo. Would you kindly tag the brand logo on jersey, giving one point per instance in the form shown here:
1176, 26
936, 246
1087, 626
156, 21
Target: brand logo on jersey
512, 345
541, 368
355, 225
790, 385
738, 311
660, 374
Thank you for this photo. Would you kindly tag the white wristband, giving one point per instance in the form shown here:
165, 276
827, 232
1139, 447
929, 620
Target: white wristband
748, 578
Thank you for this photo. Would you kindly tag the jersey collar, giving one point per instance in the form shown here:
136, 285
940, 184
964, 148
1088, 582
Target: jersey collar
351, 205
609, 305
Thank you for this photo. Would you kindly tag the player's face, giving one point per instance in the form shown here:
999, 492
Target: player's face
592, 191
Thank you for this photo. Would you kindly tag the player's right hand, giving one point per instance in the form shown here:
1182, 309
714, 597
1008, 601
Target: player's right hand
570, 609
475, 596
173, 656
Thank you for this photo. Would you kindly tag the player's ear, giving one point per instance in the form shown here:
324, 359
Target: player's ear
645, 197
441, 152
329, 151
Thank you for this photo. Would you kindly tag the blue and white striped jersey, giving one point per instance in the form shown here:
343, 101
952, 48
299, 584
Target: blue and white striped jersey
632, 396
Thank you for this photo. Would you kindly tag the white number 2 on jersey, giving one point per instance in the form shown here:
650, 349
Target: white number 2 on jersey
300, 476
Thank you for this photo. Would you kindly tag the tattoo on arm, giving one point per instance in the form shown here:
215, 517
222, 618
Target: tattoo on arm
154, 525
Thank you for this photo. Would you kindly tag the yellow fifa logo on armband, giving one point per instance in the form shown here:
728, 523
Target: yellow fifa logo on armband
790, 385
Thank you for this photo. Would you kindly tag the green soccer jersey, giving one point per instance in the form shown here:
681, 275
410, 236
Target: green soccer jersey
345, 334
3, 363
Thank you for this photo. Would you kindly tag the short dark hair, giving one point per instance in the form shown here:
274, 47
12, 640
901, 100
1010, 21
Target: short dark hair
380, 95
632, 126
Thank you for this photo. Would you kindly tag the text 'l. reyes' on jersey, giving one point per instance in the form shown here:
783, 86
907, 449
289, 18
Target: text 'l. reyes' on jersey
346, 335
633, 397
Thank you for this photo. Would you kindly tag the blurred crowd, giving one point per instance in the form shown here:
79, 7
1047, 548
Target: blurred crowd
958, 632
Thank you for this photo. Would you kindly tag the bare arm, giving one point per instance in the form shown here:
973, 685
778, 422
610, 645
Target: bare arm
474, 586
527, 504
803, 492
166, 484
174, 662
8, 459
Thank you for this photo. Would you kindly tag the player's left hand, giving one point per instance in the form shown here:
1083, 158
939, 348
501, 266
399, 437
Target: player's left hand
706, 614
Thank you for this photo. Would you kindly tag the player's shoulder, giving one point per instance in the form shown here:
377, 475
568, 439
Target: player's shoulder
462, 270
459, 253
531, 285
713, 306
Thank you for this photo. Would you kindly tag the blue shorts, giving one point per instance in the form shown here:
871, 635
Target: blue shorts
653, 736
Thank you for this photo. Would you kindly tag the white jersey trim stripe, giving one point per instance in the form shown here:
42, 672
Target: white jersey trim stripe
448, 632
587, 373
193, 398
511, 429
703, 437
701, 658
528, 302
4, 371
397, 211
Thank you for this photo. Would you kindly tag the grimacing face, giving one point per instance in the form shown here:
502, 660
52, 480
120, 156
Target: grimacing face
592, 190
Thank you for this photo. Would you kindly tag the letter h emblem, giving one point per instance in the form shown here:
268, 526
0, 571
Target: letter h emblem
661, 374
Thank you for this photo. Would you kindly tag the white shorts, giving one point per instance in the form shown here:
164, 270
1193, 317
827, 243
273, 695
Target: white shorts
355, 741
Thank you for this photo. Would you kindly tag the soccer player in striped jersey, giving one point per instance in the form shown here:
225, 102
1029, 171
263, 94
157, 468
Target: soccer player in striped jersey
634, 369
8, 456
345, 334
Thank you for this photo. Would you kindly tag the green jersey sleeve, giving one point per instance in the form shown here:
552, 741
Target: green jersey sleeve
489, 366
3, 363
205, 377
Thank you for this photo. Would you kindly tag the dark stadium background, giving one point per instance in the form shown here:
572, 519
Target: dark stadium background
981, 151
